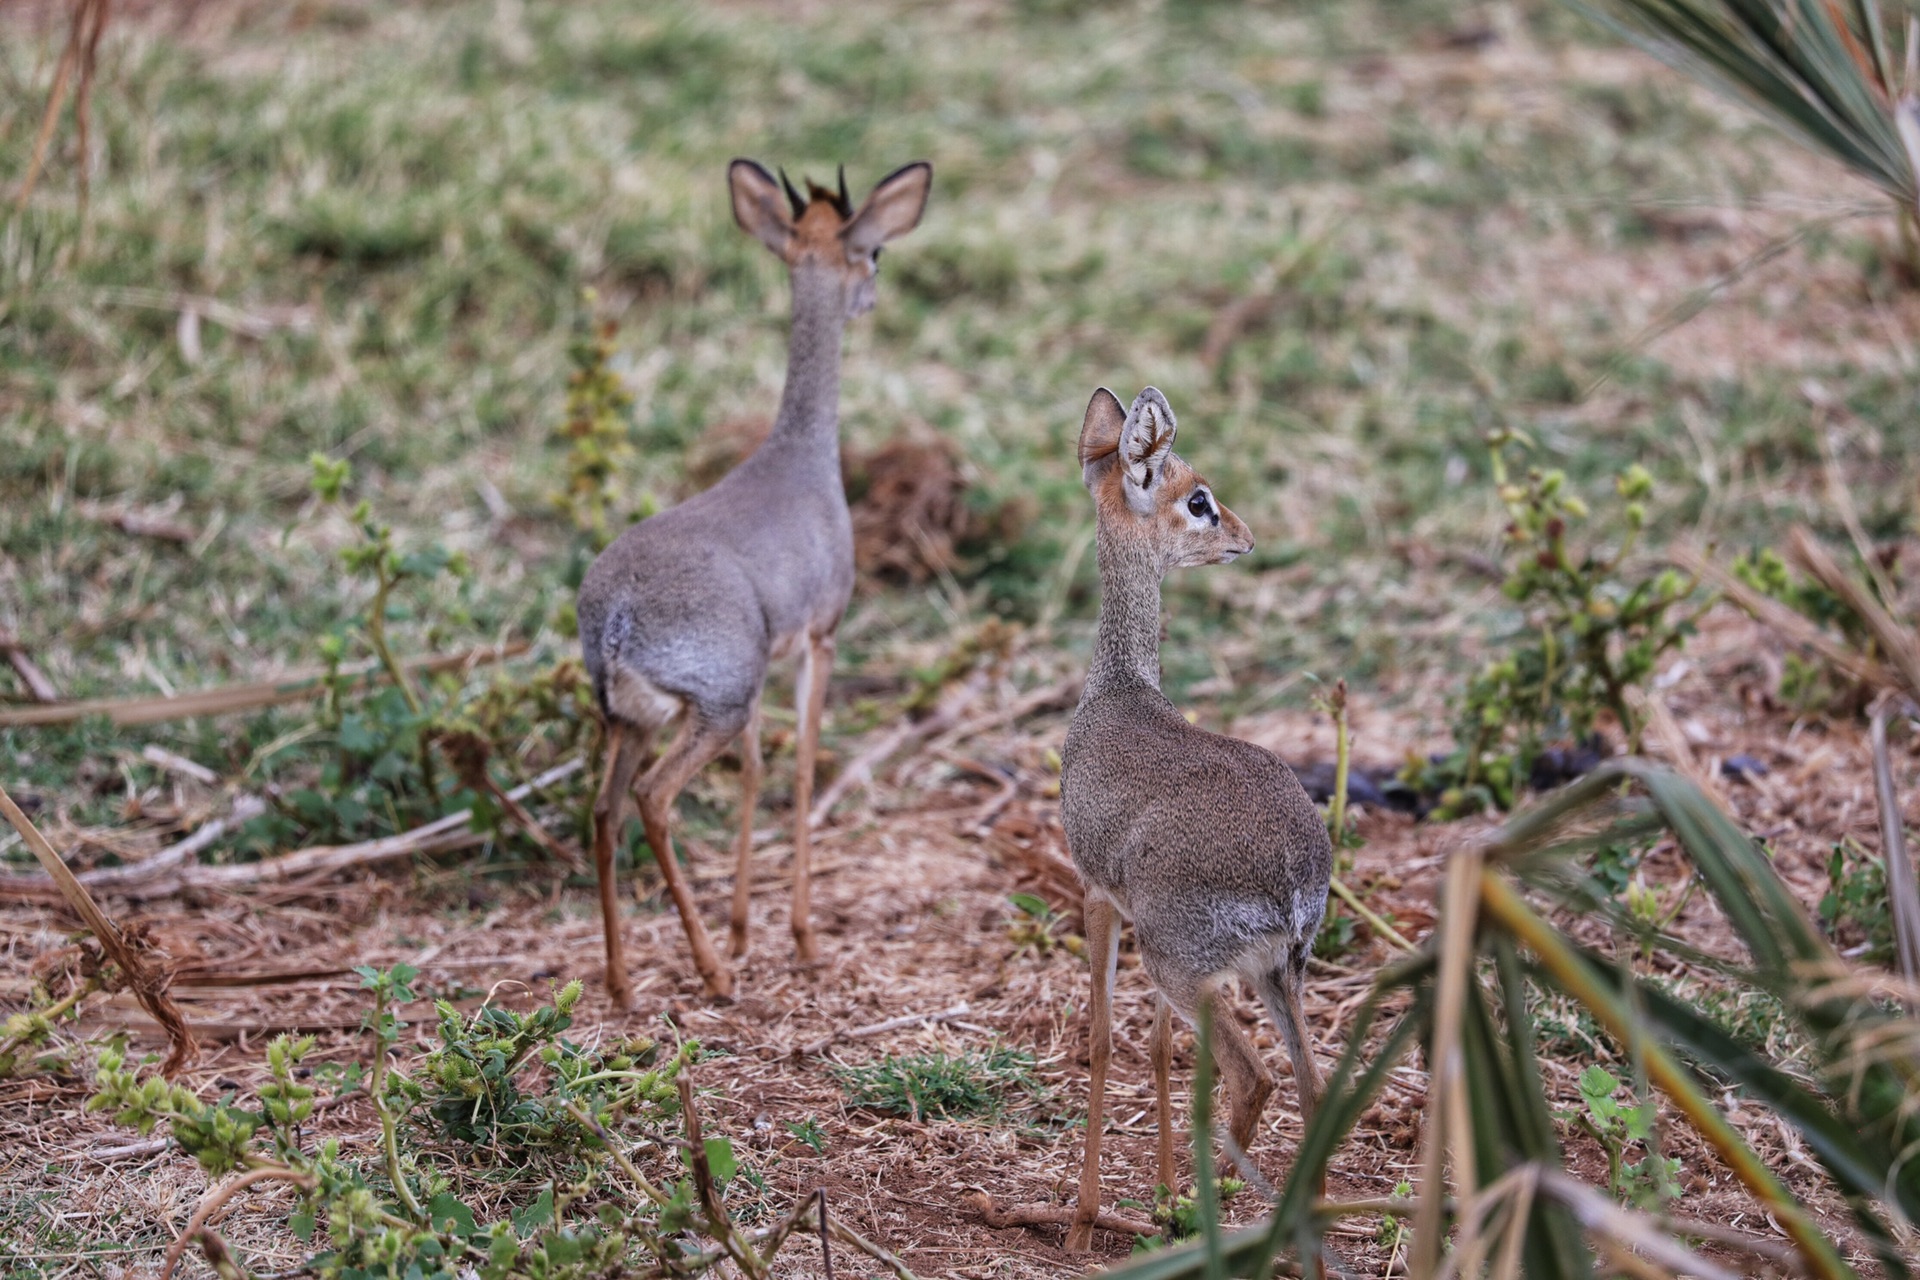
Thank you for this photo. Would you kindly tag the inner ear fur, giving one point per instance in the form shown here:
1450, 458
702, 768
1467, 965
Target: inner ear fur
891, 211
759, 207
1100, 435
1146, 442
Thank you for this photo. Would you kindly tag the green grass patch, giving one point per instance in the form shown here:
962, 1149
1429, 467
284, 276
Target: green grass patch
941, 1086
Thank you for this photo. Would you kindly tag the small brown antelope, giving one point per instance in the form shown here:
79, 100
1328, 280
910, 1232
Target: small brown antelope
681, 615
1208, 844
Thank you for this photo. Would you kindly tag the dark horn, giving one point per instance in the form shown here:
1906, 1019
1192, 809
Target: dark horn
846, 201
793, 197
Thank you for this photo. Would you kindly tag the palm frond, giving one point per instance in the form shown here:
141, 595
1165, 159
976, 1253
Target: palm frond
1466, 998
1817, 72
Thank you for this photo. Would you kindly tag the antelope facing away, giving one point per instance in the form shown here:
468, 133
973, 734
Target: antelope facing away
1208, 844
681, 615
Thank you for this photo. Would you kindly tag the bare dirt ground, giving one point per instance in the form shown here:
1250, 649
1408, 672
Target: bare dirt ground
912, 900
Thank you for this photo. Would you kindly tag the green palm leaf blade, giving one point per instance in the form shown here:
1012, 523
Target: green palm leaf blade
1351, 1089
1864, 1164
1796, 61
1858, 1117
1554, 1247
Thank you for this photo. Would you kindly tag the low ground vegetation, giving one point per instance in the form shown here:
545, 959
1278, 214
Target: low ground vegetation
376, 324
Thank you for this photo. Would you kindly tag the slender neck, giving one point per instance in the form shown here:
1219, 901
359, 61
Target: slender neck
810, 403
1126, 649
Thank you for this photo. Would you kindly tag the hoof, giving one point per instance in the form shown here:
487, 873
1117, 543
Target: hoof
718, 984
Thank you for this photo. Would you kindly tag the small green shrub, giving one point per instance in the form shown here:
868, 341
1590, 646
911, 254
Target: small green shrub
597, 430
1810, 684
1179, 1215
1595, 625
499, 1082
1649, 1182
1036, 928
1855, 907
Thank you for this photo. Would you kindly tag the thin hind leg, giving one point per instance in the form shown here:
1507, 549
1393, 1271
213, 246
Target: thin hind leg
751, 767
1283, 990
700, 739
626, 746
1249, 1083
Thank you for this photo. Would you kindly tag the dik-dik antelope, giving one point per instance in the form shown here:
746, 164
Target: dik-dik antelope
681, 615
1208, 844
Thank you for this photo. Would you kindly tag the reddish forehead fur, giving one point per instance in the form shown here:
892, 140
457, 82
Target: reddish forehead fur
820, 225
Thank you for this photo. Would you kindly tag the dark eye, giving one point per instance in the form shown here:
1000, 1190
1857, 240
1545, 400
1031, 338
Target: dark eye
1198, 504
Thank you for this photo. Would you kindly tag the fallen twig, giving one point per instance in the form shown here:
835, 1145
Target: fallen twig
81, 53
134, 875
148, 984
1046, 698
38, 686
1373, 918
1051, 1215
443, 835
719, 1225
173, 762
218, 1197
859, 771
244, 697
136, 523
880, 1028
245, 809
1607, 1220
847, 1235
257, 322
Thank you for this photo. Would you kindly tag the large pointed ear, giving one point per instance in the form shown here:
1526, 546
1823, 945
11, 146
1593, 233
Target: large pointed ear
891, 211
1146, 438
1100, 435
758, 206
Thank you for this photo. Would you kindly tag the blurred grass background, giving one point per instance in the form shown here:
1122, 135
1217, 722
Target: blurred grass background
1346, 239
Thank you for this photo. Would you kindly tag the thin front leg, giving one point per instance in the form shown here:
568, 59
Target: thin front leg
1103, 957
693, 746
750, 769
1167, 1172
624, 749
815, 670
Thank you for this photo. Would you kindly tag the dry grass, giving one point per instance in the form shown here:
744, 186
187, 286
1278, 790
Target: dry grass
1412, 234
915, 918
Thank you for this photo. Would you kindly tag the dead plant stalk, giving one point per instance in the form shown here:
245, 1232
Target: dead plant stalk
149, 984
